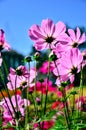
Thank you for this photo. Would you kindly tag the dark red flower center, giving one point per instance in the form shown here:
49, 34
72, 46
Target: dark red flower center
84, 57
19, 72
1, 47
49, 39
75, 44
74, 70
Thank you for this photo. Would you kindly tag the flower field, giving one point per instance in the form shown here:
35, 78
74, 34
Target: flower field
47, 97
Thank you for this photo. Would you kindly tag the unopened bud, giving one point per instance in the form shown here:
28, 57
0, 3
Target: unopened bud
27, 59
36, 56
53, 57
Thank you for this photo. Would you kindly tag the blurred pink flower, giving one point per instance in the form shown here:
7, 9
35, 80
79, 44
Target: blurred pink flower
47, 125
58, 105
84, 58
19, 110
3, 43
42, 86
81, 103
44, 67
47, 34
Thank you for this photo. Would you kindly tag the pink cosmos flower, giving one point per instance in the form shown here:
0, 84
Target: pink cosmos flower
41, 87
16, 81
84, 58
20, 77
60, 48
20, 71
81, 103
57, 104
75, 39
3, 43
22, 103
47, 34
47, 125
69, 65
44, 67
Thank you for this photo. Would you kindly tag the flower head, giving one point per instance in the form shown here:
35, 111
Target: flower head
47, 34
76, 38
69, 65
3, 43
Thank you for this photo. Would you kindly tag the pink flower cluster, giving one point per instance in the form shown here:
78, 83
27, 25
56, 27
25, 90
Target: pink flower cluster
64, 44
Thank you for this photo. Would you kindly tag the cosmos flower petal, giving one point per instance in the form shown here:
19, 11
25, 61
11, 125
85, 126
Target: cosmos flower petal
78, 33
72, 34
35, 32
82, 38
48, 26
60, 27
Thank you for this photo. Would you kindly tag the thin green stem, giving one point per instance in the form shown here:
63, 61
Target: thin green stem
35, 89
81, 92
66, 111
45, 104
6, 103
41, 100
27, 109
7, 91
15, 94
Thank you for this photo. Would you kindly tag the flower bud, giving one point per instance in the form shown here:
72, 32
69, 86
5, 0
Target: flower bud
53, 57
36, 56
27, 59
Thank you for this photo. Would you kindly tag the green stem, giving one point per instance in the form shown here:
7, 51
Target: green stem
48, 77
35, 89
27, 109
15, 94
66, 111
5, 86
6, 103
81, 93
41, 101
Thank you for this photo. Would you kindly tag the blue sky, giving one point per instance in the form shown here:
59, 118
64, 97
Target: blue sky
17, 16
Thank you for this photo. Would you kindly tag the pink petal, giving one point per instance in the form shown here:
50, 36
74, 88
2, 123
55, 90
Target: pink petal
0, 61
48, 27
78, 33
76, 57
60, 27
35, 32
82, 38
40, 45
63, 38
72, 34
